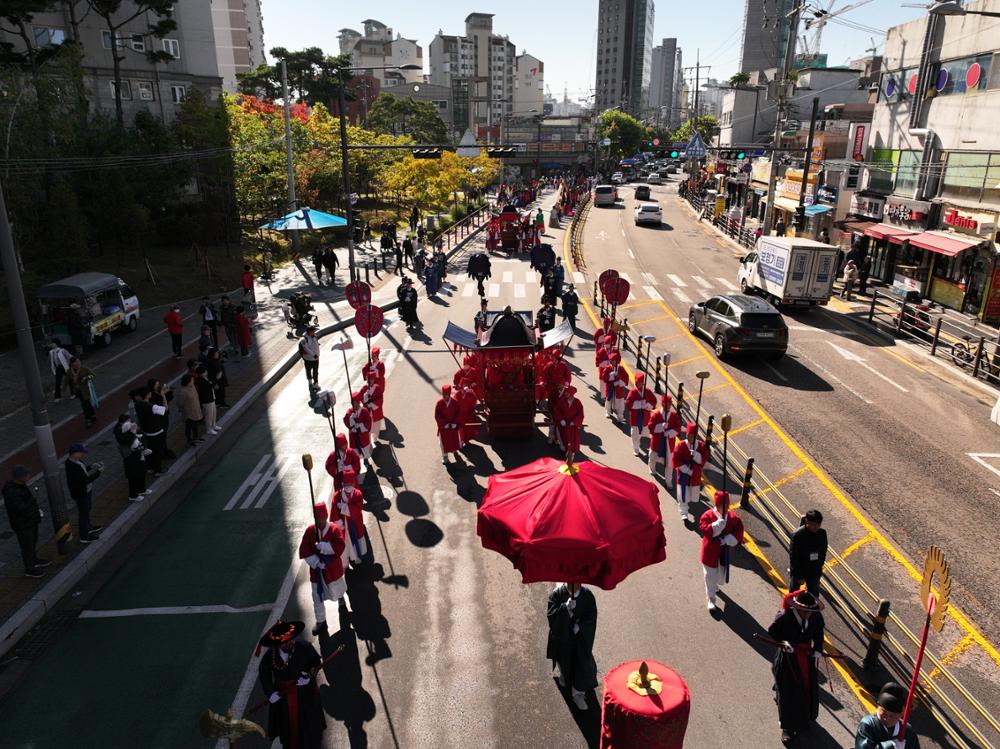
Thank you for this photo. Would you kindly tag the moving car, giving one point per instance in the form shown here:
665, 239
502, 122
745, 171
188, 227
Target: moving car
617, 178
87, 307
648, 213
642, 192
789, 270
655, 179
737, 323
605, 195
668, 169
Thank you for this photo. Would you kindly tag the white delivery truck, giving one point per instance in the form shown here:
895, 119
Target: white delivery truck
789, 271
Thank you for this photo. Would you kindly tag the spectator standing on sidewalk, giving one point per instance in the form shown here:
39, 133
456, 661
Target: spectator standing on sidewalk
331, 262
317, 258
80, 479
309, 351
206, 399
807, 553
863, 272
399, 259
414, 218
850, 276
175, 327
83, 386
210, 317
25, 516
161, 396
133, 453
780, 228
205, 341
246, 281
59, 359
217, 376
227, 314
243, 331
150, 416
190, 409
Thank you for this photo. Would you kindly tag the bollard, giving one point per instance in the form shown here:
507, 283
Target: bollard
595, 292
708, 435
680, 399
656, 379
747, 484
368, 278
638, 355
937, 335
871, 310
875, 636
624, 335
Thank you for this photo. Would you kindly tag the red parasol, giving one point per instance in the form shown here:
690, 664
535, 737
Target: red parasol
584, 523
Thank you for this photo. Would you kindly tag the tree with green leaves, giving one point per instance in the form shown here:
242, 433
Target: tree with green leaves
625, 132
707, 126
401, 116
115, 19
312, 77
740, 79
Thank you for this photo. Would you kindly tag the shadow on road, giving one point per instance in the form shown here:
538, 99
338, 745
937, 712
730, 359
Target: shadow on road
787, 372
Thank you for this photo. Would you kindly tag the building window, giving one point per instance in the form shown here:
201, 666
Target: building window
178, 93
126, 90
960, 76
145, 89
907, 172
106, 40
48, 36
972, 176
138, 43
172, 47
882, 167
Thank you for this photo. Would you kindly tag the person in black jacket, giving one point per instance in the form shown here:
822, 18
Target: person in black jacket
133, 454
80, 478
210, 317
24, 515
161, 396
807, 553
216, 370
150, 416
570, 305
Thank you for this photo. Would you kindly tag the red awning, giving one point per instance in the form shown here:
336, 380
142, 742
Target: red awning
857, 226
887, 231
943, 243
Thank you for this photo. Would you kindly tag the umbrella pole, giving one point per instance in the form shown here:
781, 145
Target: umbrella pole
347, 372
702, 376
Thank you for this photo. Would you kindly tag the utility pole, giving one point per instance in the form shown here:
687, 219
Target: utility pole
772, 177
29, 365
289, 166
800, 213
697, 81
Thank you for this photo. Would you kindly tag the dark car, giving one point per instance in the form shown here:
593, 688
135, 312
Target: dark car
736, 323
642, 192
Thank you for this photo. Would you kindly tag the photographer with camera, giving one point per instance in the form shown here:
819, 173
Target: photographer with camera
80, 478
133, 453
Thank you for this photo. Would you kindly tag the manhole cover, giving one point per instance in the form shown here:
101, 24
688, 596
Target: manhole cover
46, 633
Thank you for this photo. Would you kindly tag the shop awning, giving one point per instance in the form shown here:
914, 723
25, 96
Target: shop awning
859, 227
816, 209
887, 231
786, 204
943, 243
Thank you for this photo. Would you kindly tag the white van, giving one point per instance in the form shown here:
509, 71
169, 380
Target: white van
86, 308
605, 195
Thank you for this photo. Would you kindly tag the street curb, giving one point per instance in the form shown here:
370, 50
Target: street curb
48, 596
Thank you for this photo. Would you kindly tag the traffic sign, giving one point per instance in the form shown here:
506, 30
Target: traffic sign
358, 293
368, 320
604, 278
695, 148
467, 147
605, 141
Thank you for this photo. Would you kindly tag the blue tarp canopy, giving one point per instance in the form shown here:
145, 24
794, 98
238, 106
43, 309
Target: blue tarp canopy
305, 219
816, 208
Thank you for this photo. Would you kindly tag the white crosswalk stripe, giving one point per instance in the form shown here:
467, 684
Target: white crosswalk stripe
677, 280
681, 296
578, 277
702, 282
493, 291
730, 286
625, 276
530, 277
650, 278
469, 289
508, 276
653, 293
519, 290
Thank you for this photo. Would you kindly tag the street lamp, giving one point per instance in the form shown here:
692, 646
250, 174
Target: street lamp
342, 104
954, 8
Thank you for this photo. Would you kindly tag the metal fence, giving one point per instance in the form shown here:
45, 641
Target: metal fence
576, 232
968, 723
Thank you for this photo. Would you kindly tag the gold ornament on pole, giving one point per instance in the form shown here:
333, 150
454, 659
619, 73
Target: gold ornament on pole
644, 683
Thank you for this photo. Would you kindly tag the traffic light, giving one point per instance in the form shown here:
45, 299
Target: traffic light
675, 154
426, 153
501, 152
732, 155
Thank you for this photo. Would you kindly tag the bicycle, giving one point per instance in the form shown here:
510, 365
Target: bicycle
964, 354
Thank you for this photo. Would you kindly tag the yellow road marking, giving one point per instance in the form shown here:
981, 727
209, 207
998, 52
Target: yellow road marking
633, 305
953, 610
952, 655
839, 305
713, 389
686, 361
851, 549
783, 480
903, 359
654, 319
743, 428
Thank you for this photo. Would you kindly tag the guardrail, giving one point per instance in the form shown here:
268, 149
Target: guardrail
576, 232
945, 697
964, 346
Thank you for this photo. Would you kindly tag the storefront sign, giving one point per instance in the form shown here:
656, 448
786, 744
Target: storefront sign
991, 305
858, 148
902, 284
827, 194
867, 207
980, 224
907, 212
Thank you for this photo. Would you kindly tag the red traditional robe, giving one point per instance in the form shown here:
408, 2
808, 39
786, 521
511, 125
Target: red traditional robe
638, 405
359, 425
447, 416
355, 506
568, 416
614, 376
711, 544
338, 460
600, 356
468, 425
334, 566
372, 396
683, 457
556, 373
375, 367
599, 334
671, 428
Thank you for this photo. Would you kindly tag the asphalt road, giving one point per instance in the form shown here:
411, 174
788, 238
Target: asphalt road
445, 646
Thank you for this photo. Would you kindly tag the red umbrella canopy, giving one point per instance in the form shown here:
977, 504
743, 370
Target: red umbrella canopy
584, 523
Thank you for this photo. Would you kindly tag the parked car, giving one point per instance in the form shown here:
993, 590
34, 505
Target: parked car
669, 169
648, 213
655, 179
87, 307
605, 195
737, 323
642, 192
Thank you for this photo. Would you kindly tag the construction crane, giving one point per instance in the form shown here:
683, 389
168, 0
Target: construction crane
810, 43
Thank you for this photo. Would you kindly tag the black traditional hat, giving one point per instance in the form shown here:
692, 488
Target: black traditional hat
805, 601
893, 697
279, 633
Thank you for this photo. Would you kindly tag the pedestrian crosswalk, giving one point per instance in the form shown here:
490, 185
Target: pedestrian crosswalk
520, 283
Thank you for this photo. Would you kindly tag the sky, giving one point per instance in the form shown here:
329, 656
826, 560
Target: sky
563, 33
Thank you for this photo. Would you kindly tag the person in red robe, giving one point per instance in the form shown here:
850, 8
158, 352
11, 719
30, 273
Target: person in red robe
664, 426
721, 530
372, 395
605, 330
615, 381
321, 548
601, 353
446, 414
375, 366
347, 510
358, 421
568, 416
689, 457
341, 458
639, 402
468, 424
556, 374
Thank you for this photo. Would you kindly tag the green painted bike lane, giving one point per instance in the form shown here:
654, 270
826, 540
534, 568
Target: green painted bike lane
143, 680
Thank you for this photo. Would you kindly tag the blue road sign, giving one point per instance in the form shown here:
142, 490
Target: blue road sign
695, 149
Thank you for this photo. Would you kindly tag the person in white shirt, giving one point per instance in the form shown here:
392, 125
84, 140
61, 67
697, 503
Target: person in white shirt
309, 351
59, 363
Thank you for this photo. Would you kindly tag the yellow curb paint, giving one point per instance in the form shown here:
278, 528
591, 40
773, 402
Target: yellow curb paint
783, 480
850, 550
952, 655
687, 361
743, 428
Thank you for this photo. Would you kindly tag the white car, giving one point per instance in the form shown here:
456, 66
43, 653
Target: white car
654, 179
617, 178
648, 213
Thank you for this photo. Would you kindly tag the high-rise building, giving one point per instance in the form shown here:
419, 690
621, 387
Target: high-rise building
666, 77
529, 94
239, 38
624, 54
376, 48
765, 34
481, 68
